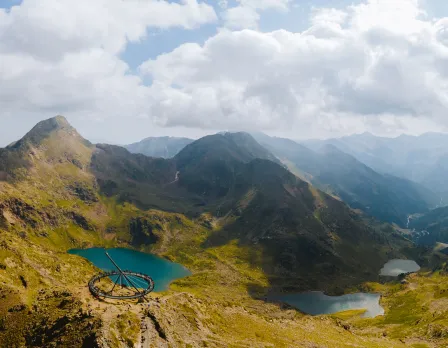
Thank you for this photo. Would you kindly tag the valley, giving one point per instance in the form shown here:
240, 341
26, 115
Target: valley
244, 225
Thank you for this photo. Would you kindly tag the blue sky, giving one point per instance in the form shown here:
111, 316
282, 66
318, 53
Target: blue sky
162, 41
124, 70
297, 19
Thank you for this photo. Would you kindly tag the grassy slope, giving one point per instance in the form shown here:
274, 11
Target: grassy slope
44, 298
416, 312
211, 307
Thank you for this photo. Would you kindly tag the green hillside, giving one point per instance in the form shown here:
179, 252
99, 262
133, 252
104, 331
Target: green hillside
262, 230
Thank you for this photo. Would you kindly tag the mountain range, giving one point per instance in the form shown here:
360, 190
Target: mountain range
430, 228
164, 147
227, 207
422, 159
233, 177
384, 196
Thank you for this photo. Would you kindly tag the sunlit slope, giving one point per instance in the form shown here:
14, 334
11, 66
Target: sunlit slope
236, 244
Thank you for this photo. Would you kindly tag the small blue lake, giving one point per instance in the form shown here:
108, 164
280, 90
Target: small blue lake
162, 271
317, 303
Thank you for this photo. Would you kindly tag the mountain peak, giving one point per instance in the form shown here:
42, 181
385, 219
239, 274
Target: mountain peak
58, 119
51, 141
52, 124
44, 129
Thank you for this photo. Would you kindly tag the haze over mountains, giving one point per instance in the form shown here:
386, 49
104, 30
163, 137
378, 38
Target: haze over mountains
164, 147
422, 159
390, 179
385, 196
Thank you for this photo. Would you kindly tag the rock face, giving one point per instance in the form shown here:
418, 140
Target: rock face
142, 231
83, 192
80, 220
15, 211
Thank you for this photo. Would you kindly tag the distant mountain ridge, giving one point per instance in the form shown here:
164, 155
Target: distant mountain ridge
422, 159
385, 197
164, 147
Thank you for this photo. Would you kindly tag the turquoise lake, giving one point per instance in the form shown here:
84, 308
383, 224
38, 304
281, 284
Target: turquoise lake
162, 271
317, 303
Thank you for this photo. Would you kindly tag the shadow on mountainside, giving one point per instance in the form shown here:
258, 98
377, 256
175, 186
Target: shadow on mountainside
307, 240
300, 237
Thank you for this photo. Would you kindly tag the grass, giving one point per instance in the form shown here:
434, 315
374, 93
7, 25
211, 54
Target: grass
128, 327
414, 311
216, 306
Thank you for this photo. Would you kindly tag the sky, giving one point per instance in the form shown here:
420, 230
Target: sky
123, 70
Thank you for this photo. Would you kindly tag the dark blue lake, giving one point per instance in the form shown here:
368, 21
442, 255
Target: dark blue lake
162, 271
317, 303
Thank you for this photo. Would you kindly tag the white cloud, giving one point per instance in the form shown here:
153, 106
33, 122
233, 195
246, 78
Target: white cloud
247, 13
241, 17
50, 28
328, 15
61, 56
350, 71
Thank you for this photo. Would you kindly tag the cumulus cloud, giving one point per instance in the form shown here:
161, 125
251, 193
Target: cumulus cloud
378, 63
381, 66
241, 17
247, 14
62, 56
50, 28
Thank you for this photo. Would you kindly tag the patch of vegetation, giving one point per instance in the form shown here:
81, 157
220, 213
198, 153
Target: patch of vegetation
256, 228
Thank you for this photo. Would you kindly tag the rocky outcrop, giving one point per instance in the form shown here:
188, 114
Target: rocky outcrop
142, 231
80, 221
67, 326
83, 192
15, 211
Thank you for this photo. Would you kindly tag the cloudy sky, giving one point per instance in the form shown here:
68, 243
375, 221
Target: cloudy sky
122, 70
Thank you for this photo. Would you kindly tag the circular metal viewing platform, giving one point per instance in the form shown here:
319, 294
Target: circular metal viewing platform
121, 285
